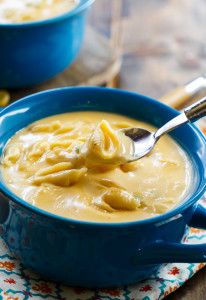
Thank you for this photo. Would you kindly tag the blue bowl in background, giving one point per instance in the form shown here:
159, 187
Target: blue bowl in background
32, 52
92, 254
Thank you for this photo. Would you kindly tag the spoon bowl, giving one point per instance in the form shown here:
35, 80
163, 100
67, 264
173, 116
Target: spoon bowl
143, 141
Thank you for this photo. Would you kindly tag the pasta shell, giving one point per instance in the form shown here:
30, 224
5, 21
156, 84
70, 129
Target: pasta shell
103, 146
120, 199
64, 178
51, 127
38, 150
107, 183
129, 167
12, 156
62, 166
121, 125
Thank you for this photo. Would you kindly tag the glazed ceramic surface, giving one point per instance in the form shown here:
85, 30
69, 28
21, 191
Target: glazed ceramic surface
33, 52
90, 254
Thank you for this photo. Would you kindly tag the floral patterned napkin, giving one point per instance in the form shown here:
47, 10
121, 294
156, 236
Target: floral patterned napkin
18, 283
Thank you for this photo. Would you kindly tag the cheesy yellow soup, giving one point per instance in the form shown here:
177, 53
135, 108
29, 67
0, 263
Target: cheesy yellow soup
15, 11
74, 165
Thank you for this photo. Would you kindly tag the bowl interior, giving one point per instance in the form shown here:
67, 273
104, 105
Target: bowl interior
38, 106
78, 8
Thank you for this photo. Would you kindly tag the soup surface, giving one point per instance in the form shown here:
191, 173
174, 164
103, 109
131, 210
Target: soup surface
15, 11
73, 165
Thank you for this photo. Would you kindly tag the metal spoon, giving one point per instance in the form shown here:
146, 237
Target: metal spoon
143, 141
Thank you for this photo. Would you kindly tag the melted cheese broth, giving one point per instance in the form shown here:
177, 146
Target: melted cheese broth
70, 165
16, 11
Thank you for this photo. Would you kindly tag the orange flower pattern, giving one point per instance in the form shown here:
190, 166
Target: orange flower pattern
42, 287
112, 292
146, 288
7, 265
10, 280
174, 271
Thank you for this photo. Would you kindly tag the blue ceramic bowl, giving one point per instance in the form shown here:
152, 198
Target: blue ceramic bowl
32, 52
93, 254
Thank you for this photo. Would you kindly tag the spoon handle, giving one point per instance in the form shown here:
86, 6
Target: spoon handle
171, 125
191, 113
196, 110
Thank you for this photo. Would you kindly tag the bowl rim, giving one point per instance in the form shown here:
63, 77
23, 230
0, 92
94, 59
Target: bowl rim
75, 222
81, 6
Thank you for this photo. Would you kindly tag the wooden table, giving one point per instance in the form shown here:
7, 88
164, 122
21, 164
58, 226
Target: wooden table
163, 45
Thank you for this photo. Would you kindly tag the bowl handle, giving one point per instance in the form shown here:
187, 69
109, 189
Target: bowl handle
199, 217
166, 252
